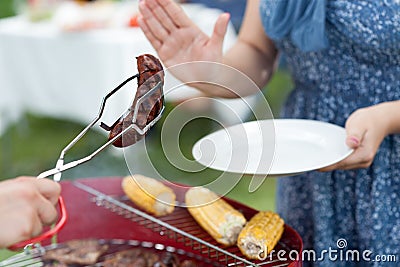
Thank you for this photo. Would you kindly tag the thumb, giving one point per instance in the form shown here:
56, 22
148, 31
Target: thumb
220, 27
355, 133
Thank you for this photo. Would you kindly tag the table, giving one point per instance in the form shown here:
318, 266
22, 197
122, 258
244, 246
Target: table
65, 74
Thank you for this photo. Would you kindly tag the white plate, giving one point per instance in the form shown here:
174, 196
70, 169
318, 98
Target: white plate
273, 147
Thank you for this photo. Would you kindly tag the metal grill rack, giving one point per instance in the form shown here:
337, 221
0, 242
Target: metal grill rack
180, 227
33, 256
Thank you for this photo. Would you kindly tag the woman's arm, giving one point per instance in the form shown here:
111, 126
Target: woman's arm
254, 53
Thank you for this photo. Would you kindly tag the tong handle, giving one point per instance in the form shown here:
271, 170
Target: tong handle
51, 232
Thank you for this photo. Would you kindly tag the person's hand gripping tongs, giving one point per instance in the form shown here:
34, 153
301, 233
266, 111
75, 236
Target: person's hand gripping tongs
132, 126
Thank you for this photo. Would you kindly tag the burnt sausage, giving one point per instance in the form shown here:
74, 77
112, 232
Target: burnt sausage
150, 74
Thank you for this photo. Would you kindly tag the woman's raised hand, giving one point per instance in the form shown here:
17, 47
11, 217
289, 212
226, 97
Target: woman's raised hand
174, 35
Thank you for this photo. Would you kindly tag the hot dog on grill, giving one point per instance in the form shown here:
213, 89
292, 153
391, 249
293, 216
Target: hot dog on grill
150, 74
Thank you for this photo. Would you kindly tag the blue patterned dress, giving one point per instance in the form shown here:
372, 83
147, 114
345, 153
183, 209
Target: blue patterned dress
359, 68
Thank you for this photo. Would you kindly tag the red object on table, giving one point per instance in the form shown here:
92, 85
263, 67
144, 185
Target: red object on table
88, 220
133, 21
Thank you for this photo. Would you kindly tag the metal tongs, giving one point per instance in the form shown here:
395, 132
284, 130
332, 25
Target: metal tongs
60, 166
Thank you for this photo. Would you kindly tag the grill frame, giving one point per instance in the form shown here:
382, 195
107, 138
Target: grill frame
98, 209
180, 227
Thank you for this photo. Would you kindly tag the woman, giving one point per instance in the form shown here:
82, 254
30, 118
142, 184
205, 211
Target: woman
344, 57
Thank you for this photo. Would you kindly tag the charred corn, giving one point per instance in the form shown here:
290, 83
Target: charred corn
215, 215
149, 194
260, 235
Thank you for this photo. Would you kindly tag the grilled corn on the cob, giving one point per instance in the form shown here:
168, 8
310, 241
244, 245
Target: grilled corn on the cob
214, 215
260, 235
149, 194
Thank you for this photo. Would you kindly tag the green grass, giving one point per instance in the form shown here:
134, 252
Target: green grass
277, 91
6, 8
33, 144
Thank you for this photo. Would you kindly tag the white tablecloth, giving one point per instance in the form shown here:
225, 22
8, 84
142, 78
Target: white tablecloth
55, 73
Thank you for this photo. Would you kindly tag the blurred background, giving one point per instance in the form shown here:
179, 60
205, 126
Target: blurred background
37, 121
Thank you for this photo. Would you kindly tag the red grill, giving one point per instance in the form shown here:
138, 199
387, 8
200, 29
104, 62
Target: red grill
97, 208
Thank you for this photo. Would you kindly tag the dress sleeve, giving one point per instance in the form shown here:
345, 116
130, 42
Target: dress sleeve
301, 20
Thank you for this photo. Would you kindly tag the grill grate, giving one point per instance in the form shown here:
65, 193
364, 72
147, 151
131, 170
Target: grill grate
182, 228
33, 257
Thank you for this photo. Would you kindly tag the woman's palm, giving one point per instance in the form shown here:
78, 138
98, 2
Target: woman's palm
177, 39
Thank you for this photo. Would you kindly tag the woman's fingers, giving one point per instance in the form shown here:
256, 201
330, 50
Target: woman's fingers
355, 129
364, 134
161, 15
361, 158
175, 13
148, 33
177, 39
217, 38
153, 25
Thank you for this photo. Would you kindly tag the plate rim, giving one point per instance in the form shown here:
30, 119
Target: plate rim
270, 169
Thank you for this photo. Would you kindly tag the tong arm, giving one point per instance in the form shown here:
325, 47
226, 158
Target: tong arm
60, 166
60, 162
97, 118
59, 169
